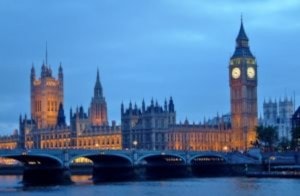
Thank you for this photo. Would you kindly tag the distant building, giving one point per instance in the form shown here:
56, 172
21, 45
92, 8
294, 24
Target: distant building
148, 126
47, 127
296, 125
279, 114
154, 127
296, 118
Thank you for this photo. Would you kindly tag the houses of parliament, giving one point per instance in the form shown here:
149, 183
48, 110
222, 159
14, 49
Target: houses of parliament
150, 126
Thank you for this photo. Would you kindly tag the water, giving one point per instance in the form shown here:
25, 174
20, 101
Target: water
10, 185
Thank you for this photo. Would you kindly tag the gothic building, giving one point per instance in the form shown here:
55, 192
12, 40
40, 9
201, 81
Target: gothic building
154, 128
47, 127
151, 127
147, 125
46, 96
279, 114
243, 93
296, 119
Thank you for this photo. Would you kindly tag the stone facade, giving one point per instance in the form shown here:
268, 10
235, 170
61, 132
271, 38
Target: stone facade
154, 128
279, 114
46, 95
296, 119
148, 126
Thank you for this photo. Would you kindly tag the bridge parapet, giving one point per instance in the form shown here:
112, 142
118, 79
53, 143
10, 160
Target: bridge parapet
66, 156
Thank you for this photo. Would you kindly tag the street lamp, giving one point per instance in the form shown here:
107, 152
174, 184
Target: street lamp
134, 154
135, 143
271, 158
225, 148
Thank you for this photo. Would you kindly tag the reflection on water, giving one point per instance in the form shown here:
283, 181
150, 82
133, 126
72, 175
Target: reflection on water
83, 185
82, 179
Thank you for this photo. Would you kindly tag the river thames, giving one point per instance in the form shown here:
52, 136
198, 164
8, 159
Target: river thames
11, 185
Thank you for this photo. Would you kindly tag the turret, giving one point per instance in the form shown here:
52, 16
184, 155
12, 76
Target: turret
122, 108
44, 70
32, 74
61, 119
60, 73
171, 105
135, 106
166, 105
130, 105
143, 106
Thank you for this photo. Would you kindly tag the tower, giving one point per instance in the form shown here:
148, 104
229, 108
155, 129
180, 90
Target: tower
98, 109
243, 93
46, 94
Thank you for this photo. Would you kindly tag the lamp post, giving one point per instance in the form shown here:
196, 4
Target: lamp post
271, 158
135, 143
134, 154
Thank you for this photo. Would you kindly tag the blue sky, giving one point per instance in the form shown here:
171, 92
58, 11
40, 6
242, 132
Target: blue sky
145, 49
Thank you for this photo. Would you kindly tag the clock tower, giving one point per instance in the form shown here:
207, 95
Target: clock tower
243, 93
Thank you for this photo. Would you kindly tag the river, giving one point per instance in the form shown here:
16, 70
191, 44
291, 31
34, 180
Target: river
83, 186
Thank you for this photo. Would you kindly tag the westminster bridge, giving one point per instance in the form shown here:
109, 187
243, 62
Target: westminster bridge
53, 165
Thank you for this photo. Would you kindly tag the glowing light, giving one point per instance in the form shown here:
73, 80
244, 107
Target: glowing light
225, 148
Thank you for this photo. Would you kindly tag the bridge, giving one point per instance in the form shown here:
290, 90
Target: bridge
53, 166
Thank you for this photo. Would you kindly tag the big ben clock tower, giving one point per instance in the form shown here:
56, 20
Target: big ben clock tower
243, 93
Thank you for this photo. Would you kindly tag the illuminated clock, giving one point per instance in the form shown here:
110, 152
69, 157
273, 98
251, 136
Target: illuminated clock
250, 72
236, 72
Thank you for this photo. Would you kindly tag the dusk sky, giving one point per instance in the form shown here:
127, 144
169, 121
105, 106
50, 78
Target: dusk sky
146, 49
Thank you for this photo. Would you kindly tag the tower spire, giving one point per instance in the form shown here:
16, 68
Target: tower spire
98, 86
242, 34
242, 43
98, 78
242, 18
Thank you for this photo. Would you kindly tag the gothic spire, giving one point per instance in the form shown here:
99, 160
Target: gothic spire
242, 34
98, 87
242, 46
32, 71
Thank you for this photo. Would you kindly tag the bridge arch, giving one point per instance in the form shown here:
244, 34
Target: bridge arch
209, 157
162, 165
109, 166
98, 157
39, 160
209, 164
162, 157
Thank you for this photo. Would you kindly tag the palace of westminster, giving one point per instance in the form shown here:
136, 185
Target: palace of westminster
149, 127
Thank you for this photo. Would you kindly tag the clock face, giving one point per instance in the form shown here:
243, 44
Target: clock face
250, 72
236, 72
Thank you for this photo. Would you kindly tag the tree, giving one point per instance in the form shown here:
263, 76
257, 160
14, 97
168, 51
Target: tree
295, 137
268, 136
284, 144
